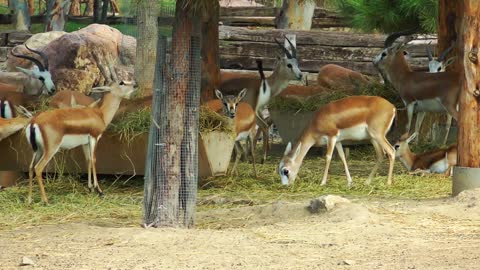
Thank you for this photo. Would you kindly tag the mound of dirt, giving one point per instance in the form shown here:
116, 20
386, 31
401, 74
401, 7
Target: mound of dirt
470, 198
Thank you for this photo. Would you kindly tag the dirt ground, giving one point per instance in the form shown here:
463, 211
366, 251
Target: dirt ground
363, 234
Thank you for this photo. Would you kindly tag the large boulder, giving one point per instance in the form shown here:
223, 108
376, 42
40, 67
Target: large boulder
92, 56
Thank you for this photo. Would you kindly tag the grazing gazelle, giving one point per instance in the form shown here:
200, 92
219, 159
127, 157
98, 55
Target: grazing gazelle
260, 93
244, 122
436, 161
420, 91
71, 127
350, 118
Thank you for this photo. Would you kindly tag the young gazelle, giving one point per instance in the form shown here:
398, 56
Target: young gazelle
436, 161
351, 118
68, 128
244, 121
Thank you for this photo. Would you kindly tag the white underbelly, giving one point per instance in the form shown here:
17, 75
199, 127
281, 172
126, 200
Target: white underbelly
429, 105
242, 136
356, 133
440, 166
72, 141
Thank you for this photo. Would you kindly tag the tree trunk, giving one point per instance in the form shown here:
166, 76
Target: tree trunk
57, 17
103, 17
147, 13
177, 83
295, 15
22, 18
210, 52
31, 7
97, 10
469, 124
89, 9
75, 8
448, 28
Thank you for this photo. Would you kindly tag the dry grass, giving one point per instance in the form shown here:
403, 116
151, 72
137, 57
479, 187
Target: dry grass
70, 200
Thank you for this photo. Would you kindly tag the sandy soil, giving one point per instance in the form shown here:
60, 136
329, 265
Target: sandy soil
364, 234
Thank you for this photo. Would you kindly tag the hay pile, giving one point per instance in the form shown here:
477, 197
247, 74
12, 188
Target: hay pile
313, 103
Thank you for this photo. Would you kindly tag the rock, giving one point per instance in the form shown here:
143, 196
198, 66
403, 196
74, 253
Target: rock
347, 262
26, 261
92, 56
325, 202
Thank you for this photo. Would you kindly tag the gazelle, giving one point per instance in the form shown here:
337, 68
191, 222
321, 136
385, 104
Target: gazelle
36, 79
350, 118
244, 121
68, 128
420, 91
10, 126
436, 161
439, 64
260, 91
69, 99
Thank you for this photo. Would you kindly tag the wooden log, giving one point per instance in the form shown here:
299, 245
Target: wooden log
270, 12
307, 65
270, 21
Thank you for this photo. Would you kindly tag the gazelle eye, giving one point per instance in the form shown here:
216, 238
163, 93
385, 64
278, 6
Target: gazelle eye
285, 172
289, 65
384, 54
405, 53
41, 78
397, 146
439, 69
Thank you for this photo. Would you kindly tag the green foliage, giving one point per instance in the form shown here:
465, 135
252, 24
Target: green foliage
390, 16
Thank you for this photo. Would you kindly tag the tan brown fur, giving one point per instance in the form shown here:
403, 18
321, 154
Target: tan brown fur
337, 77
63, 99
424, 161
10, 126
333, 121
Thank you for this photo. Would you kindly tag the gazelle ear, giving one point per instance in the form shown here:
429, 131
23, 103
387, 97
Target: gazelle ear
297, 151
413, 136
219, 94
288, 149
242, 94
25, 71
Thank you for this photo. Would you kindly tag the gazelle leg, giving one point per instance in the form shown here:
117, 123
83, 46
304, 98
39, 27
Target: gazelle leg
93, 146
39, 167
342, 157
379, 153
418, 124
263, 126
251, 138
328, 157
30, 175
447, 127
388, 148
86, 152
238, 155
410, 108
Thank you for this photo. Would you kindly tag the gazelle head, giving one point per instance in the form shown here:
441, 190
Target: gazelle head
230, 102
401, 146
439, 64
392, 53
289, 166
39, 71
121, 89
288, 66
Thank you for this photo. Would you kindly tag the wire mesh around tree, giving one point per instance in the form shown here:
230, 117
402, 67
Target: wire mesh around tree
172, 158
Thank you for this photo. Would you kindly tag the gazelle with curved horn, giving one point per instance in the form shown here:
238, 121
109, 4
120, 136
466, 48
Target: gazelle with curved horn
68, 128
351, 118
439, 64
419, 91
436, 161
40, 71
260, 91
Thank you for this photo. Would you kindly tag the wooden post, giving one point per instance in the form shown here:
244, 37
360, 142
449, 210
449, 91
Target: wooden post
210, 52
295, 14
469, 124
147, 25
177, 76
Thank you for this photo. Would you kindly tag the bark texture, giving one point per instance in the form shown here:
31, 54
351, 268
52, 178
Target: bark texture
469, 124
146, 45
210, 52
295, 15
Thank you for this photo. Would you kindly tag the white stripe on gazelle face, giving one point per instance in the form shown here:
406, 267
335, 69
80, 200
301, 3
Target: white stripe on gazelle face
230, 102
